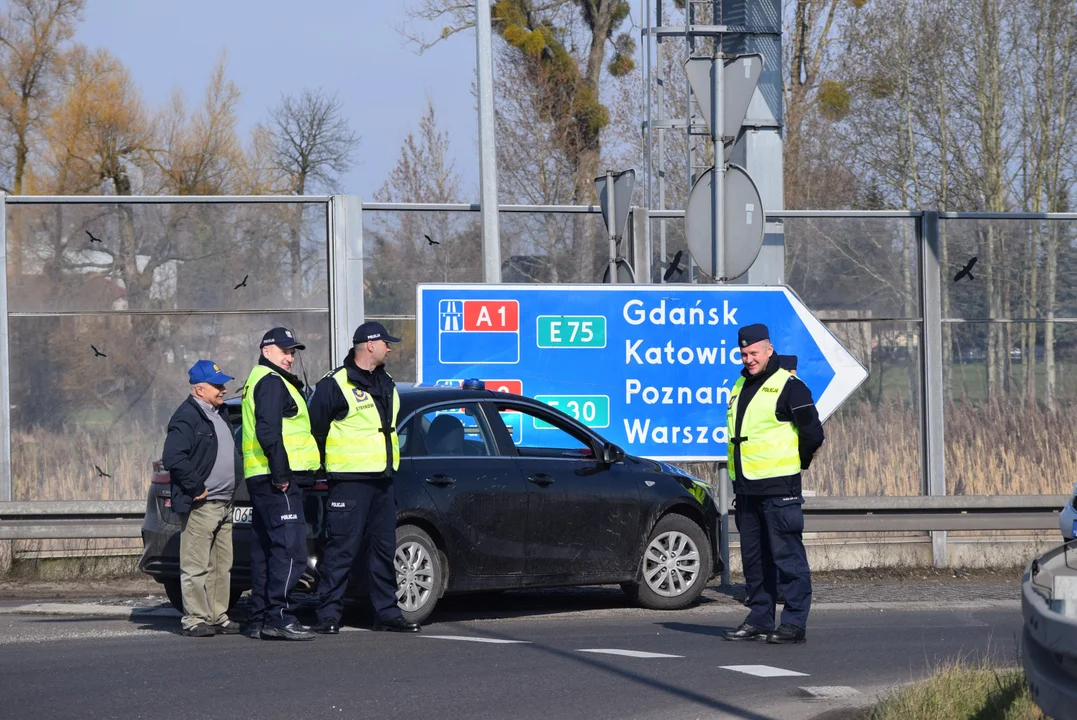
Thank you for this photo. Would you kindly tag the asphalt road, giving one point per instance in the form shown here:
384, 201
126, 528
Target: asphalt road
520, 656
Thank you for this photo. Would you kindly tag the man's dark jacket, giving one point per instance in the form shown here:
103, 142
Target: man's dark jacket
795, 405
190, 451
328, 403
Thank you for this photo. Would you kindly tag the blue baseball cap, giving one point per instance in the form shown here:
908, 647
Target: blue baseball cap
207, 371
787, 362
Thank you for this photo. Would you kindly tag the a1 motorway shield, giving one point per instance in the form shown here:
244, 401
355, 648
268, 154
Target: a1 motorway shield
649, 367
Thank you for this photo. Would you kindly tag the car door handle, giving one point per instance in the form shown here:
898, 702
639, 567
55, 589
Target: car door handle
541, 479
440, 480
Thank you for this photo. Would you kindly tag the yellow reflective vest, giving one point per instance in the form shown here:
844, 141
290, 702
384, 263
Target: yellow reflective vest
299, 444
357, 444
771, 448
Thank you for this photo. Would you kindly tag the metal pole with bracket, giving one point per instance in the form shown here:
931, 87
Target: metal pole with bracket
611, 225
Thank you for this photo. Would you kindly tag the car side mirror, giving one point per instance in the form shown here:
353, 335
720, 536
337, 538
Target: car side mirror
612, 454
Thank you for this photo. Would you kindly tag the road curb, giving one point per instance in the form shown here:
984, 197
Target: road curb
126, 613
912, 605
90, 610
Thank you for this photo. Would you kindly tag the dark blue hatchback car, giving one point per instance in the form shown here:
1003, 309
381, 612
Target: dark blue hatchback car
495, 492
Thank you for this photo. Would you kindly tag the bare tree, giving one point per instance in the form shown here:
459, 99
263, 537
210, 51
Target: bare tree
311, 142
306, 143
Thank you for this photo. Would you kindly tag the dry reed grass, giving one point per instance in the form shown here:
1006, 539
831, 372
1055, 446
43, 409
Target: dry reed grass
991, 449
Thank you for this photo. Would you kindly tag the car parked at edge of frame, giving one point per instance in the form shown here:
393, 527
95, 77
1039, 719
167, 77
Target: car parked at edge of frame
1067, 518
496, 492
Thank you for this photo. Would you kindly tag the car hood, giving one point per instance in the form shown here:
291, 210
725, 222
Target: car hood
700, 488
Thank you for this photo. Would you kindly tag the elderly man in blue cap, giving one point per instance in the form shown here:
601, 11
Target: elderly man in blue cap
200, 455
774, 431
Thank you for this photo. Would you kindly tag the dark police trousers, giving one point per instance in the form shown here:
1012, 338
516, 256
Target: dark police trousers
355, 508
278, 551
772, 553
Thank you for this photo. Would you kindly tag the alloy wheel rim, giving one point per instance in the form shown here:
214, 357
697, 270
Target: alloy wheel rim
671, 564
414, 576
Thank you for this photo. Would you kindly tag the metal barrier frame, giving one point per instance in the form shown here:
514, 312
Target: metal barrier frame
346, 308
123, 518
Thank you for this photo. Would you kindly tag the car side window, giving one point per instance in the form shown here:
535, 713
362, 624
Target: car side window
539, 435
449, 432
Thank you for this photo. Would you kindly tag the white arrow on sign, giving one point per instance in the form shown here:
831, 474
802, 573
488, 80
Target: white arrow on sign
848, 372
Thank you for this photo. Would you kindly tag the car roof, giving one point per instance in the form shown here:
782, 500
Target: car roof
416, 396
413, 397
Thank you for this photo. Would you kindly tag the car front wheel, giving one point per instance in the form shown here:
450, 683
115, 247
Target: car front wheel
674, 566
419, 573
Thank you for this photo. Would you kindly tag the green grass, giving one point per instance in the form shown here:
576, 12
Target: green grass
960, 691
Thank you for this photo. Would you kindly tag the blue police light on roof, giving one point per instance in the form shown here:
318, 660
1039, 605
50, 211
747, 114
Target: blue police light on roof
474, 384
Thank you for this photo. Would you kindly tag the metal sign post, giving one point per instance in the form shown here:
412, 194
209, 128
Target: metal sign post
723, 517
611, 228
718, 183
724, 232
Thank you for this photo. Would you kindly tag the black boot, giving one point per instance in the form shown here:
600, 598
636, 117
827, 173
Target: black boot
293, 631
787, 634
396, 624
329, 626
746, 631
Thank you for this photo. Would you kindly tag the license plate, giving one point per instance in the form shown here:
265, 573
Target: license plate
241, 515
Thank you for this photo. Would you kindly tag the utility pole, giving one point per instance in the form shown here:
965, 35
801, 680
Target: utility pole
491, 238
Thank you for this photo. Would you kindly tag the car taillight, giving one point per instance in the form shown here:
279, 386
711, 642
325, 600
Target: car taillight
160, 475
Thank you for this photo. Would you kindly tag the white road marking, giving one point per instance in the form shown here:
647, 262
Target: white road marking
492, 641
830, 692
628, 653
764, 671
353, 629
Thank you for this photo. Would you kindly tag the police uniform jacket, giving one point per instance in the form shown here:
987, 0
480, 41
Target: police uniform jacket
272, 402
328, 404
795, 405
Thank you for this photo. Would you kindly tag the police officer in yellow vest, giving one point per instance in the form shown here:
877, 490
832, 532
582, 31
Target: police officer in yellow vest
774, 431
279, 455
353, 415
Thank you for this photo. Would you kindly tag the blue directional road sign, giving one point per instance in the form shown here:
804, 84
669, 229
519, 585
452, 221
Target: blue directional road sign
650, 367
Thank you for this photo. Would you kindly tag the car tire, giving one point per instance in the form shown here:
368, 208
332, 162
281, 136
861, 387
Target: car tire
675, 565
175, 595
420, 573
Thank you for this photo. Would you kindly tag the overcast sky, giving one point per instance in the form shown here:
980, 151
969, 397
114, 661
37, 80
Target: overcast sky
274, 46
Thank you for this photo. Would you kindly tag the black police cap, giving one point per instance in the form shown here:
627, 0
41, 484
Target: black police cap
372, 331
282, 338
751, 334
